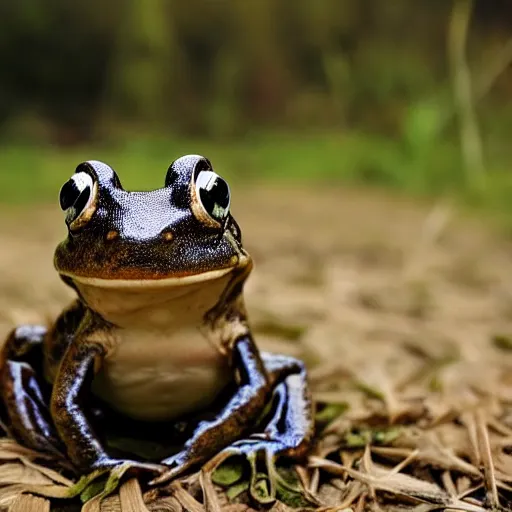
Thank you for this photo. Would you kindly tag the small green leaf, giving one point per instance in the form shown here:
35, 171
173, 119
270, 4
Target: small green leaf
235, 490
386, 436
330, 412
84, 482
292, 499
261, 488
363, 437
435, 385
502, 341
105, 487
370, 391
358, 439
289, 489
289, 476
115, 477
228, 473
92, 490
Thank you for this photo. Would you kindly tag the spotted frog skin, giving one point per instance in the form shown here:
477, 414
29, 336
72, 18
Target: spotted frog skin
158, 332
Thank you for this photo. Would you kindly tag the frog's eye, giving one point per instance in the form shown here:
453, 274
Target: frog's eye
213, 194
76, 196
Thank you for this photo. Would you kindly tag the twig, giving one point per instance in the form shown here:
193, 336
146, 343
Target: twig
431, 231
499, 63
486, 455
471, 142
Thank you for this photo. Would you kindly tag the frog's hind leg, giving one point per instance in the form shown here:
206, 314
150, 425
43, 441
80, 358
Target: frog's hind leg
24, 393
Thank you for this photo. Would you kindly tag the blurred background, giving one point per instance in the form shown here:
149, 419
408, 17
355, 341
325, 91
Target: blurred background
409, 95
368, 145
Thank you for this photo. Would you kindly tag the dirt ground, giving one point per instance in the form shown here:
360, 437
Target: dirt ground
403, 312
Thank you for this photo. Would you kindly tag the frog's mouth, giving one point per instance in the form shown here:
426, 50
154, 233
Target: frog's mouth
164, 282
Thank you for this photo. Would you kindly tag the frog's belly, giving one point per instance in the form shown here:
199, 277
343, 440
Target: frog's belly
162, 377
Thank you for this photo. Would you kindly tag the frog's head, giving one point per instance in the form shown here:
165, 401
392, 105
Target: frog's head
181, 233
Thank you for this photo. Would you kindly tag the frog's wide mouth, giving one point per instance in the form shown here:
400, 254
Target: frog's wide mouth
163, 282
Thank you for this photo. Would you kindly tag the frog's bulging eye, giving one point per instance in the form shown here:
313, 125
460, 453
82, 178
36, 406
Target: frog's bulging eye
76, 195
213, 193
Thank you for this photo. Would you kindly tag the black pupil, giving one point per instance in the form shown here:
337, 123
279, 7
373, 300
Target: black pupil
217, 196
71, 195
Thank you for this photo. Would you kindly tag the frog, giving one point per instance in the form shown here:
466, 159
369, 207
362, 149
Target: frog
158, 331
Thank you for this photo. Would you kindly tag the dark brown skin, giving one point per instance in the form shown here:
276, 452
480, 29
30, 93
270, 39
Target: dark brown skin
158, 332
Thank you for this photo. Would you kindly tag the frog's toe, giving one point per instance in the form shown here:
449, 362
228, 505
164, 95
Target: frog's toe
257, 444
126, 467
174, 466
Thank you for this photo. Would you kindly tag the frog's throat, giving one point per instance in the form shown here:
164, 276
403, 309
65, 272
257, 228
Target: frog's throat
150, 283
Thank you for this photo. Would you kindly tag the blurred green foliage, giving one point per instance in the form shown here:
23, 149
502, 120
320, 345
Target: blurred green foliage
353, 89
215, 67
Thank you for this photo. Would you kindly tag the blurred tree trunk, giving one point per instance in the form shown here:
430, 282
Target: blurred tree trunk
141, 71
266, 78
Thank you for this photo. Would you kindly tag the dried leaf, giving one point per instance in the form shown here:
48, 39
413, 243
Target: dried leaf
111, 504
28, 503
168, 504
484, 446
93, 505
131, 497
50, 491
398, 483
92, 490
50, 473
185, 499
17, 473
211, 501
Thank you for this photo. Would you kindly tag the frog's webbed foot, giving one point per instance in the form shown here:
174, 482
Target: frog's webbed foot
287, 434
259, 452
288, 425
24, 394
126, 467
175, 466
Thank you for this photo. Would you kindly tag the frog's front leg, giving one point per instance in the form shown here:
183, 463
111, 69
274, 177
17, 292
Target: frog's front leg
69, 411
24, 393
239, 417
